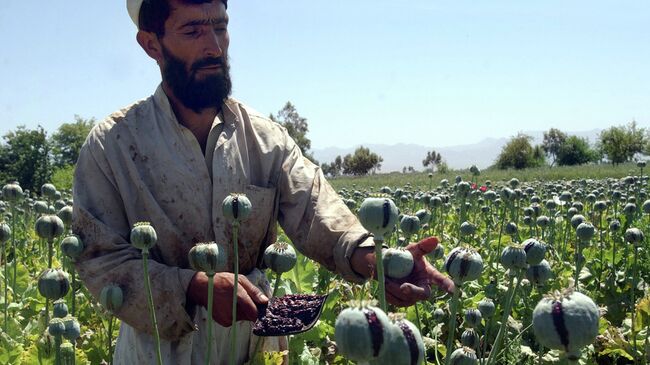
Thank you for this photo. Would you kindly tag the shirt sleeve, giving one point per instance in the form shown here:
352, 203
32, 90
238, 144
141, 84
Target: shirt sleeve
100, 220
315, 218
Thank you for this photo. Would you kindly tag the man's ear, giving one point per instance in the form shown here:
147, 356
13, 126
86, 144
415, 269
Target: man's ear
151, 44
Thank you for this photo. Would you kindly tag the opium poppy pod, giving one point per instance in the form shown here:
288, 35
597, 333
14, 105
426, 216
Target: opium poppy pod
535, 251
207, 257
378, 215
473, 318
360, 333
65, 213
634, 236
464, 264
72, 246
463, 356
49, 226
143, 236
60, 309
486, 307
12, 192
53, 283
566, 322
56, 327
236, 207
404, 345
111, 297
72, 329
398, 262
48, 190
5, 232
409, 224
539, 274
585, 231
513, 257
280, 257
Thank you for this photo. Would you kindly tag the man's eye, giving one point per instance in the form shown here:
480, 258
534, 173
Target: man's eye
220, 29
192, 33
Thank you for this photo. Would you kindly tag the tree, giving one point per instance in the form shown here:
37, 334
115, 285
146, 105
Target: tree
553, 141
621, 143
68, 139
24, 156
361, 162
333, 168
518, 153
296, 126
432, 159
575, 151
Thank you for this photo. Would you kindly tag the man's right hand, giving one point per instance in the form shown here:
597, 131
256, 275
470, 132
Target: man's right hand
248, 297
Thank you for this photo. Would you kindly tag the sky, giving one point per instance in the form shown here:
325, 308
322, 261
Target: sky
435, 73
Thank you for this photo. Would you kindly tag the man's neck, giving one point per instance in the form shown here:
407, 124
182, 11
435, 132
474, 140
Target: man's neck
199, 123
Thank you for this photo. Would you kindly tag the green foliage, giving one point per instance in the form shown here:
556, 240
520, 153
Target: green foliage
575, 151
361, 162
621, 143
432, 159
553, 141
62, 177
518, 153
68, 139
334, 168
24, 156
296, 126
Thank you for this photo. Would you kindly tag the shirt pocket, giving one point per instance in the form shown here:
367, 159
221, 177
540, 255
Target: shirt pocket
259, 227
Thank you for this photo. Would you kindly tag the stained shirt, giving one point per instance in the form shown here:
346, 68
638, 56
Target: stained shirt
141, 164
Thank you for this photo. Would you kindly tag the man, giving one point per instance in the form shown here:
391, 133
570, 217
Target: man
170, 160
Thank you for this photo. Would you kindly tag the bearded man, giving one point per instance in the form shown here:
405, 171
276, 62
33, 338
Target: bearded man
170, 160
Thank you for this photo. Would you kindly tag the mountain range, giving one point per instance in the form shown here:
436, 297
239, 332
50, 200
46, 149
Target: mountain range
482, 154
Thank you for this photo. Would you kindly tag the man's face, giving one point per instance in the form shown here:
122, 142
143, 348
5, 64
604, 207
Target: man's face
195, 54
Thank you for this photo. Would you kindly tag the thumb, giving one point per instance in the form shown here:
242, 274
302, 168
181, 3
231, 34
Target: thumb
254, 292
423, 247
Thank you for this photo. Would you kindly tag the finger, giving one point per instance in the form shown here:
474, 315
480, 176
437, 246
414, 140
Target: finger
396, 301
246, 308
254, 292
442, 281
417, 292
423, 247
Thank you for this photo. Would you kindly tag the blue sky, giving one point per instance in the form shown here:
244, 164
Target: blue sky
435, 73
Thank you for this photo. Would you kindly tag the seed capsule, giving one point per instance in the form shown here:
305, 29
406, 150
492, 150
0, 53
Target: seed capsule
111, 297
360, 333
577, 219
511, 228
49, 226
566, 322
470, 338
585, 232
207, 257
72, 246
467, 229
404, 345
53, 283
65, 213
535, 251
646, 207
464, 264
486, 307
67, 353
236, 207
72, 330
539, 274
56, 327
48, 190
473, 318
60, 309
439, 315
424, 214
5, 232
634, 236
513, 257
409, 224
280, 257
437, 253
463, 356
398, 262
12, 192
143, 236
378, 216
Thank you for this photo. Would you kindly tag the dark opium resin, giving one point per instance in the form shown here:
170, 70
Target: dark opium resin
290, 314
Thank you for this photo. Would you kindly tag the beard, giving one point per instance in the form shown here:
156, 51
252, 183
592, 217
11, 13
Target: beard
197, 94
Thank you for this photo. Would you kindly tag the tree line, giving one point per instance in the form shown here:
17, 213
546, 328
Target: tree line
33, 158
615, 145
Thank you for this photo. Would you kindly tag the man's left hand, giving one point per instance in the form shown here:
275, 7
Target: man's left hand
417, 285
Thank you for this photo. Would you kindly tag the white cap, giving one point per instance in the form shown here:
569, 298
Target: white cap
133, 6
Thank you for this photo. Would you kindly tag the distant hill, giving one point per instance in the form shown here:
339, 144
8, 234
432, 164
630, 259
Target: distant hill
482, 154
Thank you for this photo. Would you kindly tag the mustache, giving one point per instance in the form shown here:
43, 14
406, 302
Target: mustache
211, 61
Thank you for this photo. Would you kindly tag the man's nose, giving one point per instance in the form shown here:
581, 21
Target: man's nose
213, 47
